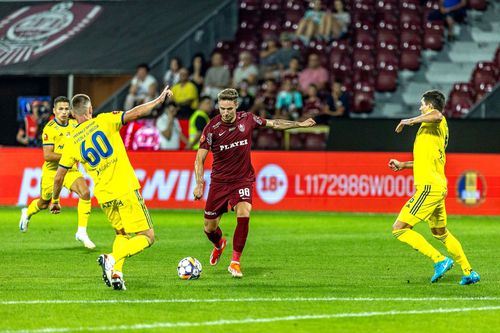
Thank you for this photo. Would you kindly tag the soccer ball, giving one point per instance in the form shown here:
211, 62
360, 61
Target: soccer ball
189, 268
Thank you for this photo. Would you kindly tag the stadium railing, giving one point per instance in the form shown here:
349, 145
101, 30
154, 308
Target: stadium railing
220, 24
487, 108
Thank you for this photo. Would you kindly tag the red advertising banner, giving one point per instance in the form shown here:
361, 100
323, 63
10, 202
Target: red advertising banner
305, 181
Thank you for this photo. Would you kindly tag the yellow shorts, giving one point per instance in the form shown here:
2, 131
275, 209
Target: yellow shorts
48, 182
128, 213
426, 205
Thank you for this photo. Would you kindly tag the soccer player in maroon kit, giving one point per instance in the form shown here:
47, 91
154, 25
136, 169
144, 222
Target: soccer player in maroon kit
229, 137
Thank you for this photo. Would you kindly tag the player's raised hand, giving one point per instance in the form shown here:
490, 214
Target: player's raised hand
166, 93
309, 122
395, 165
55, 207
402, 124
198, 191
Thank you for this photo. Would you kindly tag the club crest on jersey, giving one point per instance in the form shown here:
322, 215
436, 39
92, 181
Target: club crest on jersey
45, 137
32, 31
241, 127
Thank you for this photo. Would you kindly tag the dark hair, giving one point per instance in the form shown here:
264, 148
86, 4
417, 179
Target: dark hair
204, 98
435, 98
204, 66
61, 99
143, 65
179, 61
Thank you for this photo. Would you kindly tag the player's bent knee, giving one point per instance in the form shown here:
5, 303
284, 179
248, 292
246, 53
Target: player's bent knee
210, 225
438, 231
398, 225
85, 194
150, 234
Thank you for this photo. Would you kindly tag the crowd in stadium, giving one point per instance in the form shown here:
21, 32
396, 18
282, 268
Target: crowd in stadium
324, 62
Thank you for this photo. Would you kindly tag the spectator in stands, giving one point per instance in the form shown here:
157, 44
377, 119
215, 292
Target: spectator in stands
337, 104
143, 88
265, 101
337, 23
289, 101
246, 70
198, 121
245, 100
27, 133
313, 105
309, 25
185, 95
171, 76
314, 73
451, 11
170, 129
217, 77
269, 66
198, 70
286, 53
293, 70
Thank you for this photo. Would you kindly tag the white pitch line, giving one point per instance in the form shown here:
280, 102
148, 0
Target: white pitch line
242, 300
247, 320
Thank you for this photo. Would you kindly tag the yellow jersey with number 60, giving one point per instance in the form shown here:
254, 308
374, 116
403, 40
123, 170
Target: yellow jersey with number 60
97, 145
429, 156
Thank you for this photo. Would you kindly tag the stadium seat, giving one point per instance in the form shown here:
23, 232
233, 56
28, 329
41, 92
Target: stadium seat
338, 50
225, 45
268, 140
386, 57
364, 37
272, 4
296, 141
483, 89
387, 37
363, 98
478, 4
433, 36
342, 69
250, 4
410, 16
295, 5
485, 72
388, 26
315, 141
271, 28
410, 33
387, 78
292, 19
410, 57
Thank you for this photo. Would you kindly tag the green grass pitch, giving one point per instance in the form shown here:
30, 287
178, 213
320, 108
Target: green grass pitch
303, 272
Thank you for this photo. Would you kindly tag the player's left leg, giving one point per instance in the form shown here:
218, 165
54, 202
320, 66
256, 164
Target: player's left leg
437, 223
243, 210
38, 204
79, 186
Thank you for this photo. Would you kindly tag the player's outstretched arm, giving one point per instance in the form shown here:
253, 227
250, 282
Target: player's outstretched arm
55, 207
143, 110
199, 163
430, 117
282, 124
396, 165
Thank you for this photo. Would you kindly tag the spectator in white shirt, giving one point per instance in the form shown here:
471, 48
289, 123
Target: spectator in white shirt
143, 88
171, 76
170, 130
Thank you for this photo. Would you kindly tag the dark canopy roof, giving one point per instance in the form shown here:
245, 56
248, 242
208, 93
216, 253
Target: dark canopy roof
112, 37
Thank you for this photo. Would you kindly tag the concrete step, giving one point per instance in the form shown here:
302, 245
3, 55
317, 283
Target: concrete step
449, 72
472, 51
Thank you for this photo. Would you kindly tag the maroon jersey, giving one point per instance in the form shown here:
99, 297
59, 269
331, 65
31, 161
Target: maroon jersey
230, 144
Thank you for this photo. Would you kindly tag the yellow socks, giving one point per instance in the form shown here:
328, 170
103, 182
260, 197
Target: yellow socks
120, 241
418, 242
455, 249
84, 207
130, 247
33, 208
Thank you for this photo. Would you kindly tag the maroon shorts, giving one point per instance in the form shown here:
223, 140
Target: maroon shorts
222, 194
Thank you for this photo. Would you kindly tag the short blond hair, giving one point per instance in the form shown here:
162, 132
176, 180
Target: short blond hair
228, 94
80, 104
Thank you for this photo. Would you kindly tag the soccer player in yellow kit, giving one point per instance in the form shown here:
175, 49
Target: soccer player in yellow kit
428, 203
54, 136
97, 145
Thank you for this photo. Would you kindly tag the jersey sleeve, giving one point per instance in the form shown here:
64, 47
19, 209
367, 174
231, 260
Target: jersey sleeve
68, 157
113, 120
256, 121
206, 138
48, 137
